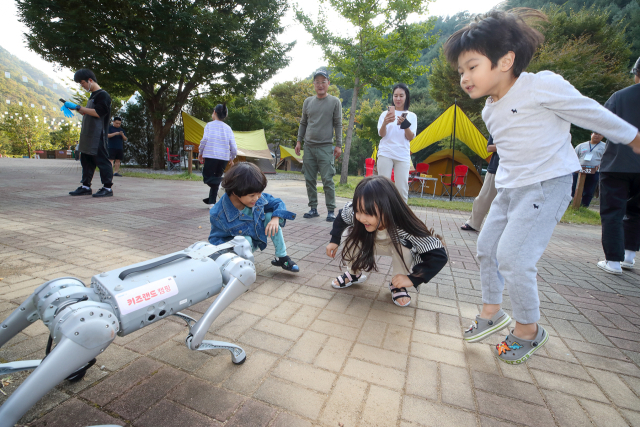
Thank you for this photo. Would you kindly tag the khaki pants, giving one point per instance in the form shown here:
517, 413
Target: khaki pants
319, 158
482, 203
384, 246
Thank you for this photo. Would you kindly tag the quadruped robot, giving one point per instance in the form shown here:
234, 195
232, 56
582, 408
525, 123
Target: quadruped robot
83, 321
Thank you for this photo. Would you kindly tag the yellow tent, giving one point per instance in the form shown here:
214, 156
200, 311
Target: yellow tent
440, 163
252, 144
193, 129
290, 152
289, 161
442, 127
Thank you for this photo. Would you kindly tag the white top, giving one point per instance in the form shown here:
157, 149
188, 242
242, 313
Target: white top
590, 154
530, 128
394, 145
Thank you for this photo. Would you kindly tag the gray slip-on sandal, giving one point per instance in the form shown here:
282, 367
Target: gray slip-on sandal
482, 328
515, 350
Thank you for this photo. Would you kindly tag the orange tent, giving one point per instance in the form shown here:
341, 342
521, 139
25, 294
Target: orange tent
440, 163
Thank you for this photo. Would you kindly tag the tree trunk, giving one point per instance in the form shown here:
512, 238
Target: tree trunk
347, 142
159, 150
28, 148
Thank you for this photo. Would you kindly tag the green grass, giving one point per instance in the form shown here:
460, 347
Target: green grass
581, 216
571, 216
346, 191
184, 176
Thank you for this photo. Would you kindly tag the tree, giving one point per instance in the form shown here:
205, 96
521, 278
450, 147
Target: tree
383, 51
366, 121
246, 112
579, 45
624, 13
25, 129
67, 135
140, 136
164, 49
289, 97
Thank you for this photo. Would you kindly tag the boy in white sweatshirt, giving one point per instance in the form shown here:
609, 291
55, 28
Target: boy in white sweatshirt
529, 116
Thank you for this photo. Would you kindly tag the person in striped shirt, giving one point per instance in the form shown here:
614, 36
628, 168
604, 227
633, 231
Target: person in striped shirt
217, 148
379, 222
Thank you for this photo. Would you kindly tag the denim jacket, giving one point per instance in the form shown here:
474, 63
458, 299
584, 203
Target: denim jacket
227, 221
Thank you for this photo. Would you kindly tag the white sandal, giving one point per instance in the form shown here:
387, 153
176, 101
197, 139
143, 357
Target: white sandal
397, 293
342, 280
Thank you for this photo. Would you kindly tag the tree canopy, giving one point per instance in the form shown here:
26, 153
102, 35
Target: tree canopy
165, 49
26, 129
580, 45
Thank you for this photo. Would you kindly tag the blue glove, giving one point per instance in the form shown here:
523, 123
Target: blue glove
71, 105
66, 111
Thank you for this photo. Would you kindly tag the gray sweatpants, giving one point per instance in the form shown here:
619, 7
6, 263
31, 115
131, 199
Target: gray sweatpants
515, 234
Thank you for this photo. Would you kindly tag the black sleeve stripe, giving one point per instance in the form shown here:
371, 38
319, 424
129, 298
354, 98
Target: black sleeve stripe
420, 245
347, 213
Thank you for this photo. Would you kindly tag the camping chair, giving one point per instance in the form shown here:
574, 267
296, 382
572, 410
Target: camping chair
459, 180
420, 169
368, 166
173, 161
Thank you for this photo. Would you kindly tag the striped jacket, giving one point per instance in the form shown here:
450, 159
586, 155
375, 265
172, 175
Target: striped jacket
428, 253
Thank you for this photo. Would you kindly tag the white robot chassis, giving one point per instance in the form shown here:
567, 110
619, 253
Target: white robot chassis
83, 321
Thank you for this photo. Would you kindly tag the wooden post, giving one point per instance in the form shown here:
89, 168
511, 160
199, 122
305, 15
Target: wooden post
577, 196
189, 150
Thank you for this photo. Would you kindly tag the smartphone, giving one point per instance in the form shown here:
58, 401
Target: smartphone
404, 115
62, 100
392, 109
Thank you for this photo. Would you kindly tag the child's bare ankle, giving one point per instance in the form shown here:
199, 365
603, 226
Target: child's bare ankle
525, 331
489, 310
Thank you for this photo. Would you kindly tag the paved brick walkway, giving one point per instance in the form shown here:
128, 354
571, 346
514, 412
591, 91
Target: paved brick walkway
315, 356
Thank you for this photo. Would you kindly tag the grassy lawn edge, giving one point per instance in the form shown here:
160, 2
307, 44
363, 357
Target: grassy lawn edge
571, 216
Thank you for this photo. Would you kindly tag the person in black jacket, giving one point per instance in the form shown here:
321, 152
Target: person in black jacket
93, 135
381, 223
620, 187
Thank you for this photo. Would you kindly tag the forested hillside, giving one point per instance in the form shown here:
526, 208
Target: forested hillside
30, 92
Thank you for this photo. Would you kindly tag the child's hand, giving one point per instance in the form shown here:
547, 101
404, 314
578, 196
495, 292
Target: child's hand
272, 227
401, 281
332, 249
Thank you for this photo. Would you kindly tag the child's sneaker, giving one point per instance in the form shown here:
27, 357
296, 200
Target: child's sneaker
482, 328
286, 263
514, 350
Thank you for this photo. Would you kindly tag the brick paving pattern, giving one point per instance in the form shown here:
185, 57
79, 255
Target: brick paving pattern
316, 356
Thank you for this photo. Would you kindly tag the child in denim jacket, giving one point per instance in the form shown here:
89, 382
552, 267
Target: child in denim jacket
244, 210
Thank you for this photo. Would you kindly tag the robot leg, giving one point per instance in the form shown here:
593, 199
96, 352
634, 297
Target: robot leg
82, 331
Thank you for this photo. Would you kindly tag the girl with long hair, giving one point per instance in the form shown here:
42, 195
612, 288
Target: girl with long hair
381, 223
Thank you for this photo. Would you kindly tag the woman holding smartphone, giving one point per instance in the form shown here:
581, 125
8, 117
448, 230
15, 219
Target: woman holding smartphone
397, 127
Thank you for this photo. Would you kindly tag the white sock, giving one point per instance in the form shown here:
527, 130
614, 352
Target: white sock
108, 189
614, 264
86, 188
629, 256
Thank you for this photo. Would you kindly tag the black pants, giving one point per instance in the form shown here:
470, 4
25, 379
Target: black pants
101, 160
212, 176
620, 213
589, 188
